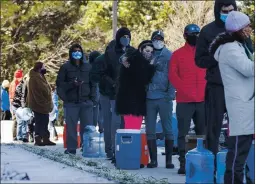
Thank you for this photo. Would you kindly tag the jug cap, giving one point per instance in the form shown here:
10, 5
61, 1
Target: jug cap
128, 131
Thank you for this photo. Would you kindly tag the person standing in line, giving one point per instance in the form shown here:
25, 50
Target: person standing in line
97, 113
18, 74
106, 72
19, 101
189, 83
133, 81
159, 100
5, 101
54, 114
237, 69
39, 100
78, 92
215, 106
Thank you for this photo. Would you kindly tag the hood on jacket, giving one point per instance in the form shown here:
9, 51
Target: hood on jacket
217, 8
92, 56
221, 39
121, 32
72, 60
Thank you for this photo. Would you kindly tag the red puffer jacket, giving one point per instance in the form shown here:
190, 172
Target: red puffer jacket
185, 76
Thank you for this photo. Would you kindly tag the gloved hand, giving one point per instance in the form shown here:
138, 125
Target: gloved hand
95, 103
77, 83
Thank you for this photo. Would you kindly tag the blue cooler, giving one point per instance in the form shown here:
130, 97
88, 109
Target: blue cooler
128, 149
221, 165
199, 165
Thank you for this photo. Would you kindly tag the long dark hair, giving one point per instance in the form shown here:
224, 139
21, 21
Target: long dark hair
223, 38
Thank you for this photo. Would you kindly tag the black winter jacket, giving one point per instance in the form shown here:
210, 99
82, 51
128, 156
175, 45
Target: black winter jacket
208, 33
68, 73
106, 68
133, 81
20, 94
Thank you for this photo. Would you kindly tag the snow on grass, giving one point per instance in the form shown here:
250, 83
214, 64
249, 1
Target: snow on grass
95, 166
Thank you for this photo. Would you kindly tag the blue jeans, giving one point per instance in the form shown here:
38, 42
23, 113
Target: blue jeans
164, 108
21, 127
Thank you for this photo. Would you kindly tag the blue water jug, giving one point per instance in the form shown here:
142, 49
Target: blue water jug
93, 143
221, 165
199, 165
251, 163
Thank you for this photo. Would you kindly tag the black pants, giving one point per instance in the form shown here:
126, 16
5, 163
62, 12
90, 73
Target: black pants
185, 112
215, 108
41, 124
238, 149
6, 115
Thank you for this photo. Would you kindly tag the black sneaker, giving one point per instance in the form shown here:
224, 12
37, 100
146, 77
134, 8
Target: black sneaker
15, 139
25, 140
73, 152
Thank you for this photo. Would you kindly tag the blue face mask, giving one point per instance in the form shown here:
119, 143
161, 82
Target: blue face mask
124, 41
77, 55
223, 17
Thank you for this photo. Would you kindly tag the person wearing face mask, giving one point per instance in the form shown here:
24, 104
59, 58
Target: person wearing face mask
76, 89
189, 82
215, 106
237, 68
131, 95
160, 94
105, 71
39, 100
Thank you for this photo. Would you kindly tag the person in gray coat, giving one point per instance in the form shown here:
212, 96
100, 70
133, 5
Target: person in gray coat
78, 92
236, 64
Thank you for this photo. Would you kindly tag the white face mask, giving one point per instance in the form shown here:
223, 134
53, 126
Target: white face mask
158, 44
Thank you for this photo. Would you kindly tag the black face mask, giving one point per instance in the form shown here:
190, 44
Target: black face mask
192, 39
43, 71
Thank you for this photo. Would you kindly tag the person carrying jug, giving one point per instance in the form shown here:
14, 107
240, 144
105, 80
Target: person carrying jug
189, 82
78, 92
237, 70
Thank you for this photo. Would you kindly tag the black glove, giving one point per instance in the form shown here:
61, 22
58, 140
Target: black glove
77, 83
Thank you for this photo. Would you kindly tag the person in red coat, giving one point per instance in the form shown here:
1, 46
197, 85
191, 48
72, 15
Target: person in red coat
189, 81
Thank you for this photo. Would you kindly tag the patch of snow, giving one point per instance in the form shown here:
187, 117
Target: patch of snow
40, 170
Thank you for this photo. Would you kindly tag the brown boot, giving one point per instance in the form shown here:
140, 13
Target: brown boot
47, 142
38, 141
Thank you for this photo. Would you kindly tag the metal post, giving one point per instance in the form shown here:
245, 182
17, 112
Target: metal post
114, 21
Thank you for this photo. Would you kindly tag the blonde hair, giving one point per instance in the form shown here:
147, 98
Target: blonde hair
5, 84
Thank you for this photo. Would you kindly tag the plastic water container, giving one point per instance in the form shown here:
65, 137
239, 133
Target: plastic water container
128, 149
251, 162
199, 164
221, 165
93, 143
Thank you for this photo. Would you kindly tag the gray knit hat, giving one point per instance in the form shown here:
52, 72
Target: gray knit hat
236, 21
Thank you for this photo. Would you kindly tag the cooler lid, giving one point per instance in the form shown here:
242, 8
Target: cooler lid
133, 131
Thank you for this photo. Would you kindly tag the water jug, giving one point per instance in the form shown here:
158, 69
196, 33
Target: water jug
221, 165
93, 144
199, 164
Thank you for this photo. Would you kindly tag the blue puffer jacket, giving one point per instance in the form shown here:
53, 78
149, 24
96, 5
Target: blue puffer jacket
160, 87
5, 102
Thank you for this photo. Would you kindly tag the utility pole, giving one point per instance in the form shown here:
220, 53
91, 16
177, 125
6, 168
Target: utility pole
114, 21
